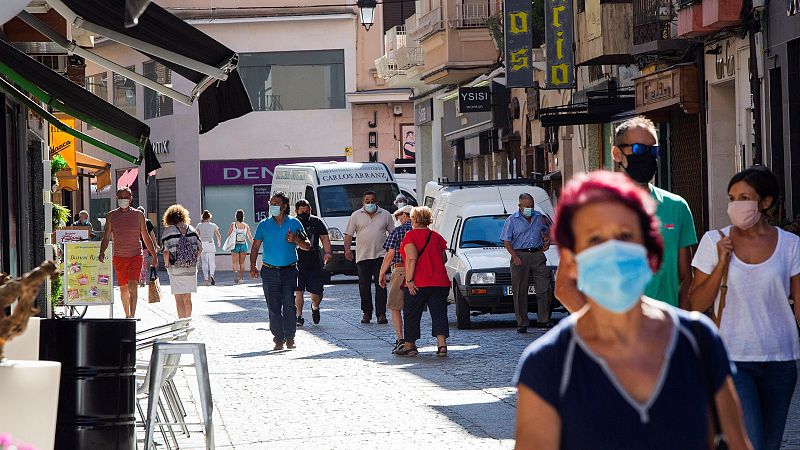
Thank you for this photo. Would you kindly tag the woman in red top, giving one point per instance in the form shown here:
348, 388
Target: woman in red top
426, 282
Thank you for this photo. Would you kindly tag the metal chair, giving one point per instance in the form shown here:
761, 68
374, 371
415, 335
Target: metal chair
159, 368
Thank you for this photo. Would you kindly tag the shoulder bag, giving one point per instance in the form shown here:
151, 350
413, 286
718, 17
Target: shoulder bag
716, 313
424, 246
230, 241
703, 350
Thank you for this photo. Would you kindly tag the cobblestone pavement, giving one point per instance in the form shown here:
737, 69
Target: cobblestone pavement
342, 388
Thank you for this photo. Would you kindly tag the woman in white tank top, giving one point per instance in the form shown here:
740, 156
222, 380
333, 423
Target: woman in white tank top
239, 252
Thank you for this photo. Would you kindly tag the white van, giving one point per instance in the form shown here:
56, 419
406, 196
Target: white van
470, 216
335, 190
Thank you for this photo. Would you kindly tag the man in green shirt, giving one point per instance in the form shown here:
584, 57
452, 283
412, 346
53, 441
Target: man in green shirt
636, 150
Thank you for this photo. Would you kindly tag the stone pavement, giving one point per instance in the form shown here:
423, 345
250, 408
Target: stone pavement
342, 388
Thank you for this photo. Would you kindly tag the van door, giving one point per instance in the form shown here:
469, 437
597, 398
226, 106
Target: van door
453, 261
309, 196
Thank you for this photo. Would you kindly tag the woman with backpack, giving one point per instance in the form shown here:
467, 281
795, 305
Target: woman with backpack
239, 252
182, 249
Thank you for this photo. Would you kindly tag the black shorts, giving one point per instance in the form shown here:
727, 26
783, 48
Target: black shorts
310, 280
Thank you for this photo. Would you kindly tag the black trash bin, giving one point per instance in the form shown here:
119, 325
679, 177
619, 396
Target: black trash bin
96, 399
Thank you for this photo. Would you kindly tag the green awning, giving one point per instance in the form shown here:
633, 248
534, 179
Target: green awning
63, 95
53, 120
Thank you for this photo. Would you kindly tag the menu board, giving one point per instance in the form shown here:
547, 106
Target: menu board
87, 281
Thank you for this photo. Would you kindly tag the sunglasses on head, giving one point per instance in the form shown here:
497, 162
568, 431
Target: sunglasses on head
642, 149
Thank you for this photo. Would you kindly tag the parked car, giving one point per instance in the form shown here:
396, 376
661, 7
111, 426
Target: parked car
470, 217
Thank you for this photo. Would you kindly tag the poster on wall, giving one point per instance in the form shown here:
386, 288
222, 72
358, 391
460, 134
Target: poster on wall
409, 141
87, 281
517, 33
261, 196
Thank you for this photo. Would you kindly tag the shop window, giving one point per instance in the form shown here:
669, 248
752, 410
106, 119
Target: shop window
97, 85
155, 104
125, 93
285, 81
223, 201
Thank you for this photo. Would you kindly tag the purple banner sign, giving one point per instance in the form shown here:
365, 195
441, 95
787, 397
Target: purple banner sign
248, 171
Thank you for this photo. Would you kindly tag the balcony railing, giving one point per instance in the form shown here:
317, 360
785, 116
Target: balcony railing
652, 20
394, 39
428, 23
408, 57
474, 15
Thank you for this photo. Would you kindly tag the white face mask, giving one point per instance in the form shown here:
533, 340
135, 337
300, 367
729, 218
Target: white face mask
124, 202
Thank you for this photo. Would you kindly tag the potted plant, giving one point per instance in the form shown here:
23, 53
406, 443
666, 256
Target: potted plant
57, 164
30, 386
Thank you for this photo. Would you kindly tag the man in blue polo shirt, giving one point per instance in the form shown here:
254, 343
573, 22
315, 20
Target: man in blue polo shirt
282, 234
525, 237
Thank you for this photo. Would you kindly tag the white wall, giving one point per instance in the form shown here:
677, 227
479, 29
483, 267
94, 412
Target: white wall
271, 134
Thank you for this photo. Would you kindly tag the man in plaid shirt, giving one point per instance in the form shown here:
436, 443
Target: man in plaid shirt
395, 261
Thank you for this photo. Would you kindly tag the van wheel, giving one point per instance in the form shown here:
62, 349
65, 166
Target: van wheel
462, 310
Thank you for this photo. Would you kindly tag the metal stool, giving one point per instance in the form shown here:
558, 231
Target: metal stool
161, 352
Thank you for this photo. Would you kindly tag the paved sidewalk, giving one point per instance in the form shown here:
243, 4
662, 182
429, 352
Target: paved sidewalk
342, 388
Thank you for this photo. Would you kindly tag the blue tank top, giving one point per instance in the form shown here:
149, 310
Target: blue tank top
596, 412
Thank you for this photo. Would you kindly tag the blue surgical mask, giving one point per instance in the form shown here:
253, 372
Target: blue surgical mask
527, 212
370, 207
274, 210
614, 274
401, 205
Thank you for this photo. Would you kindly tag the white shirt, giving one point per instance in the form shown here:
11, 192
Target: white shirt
370, 232
206, 230
757, 322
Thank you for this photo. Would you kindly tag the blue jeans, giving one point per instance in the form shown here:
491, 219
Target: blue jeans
765, 391
279, 287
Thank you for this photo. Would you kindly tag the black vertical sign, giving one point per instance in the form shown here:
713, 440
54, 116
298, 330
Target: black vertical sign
559, 37
518, 41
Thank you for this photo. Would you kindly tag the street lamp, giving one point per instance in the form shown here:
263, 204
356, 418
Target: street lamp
367, 12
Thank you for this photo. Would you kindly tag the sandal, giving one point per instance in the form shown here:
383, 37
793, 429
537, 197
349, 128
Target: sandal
441, 351
411, 351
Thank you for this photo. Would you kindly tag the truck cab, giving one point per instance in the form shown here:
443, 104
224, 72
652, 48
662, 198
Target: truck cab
335, 190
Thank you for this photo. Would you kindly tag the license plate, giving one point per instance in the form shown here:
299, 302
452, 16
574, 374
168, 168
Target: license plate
508, 290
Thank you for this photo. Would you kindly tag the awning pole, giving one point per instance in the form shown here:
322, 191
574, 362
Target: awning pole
59, 40
142, 46
11, 90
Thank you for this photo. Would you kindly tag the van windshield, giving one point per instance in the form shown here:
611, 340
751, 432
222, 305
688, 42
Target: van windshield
342, 200
482, 231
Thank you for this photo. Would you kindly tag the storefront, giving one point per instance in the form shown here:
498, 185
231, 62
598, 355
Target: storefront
475, 133
671, 99
782, 102
729, 121
229, 185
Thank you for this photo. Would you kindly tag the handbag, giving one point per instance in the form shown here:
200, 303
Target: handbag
716, 314
153, 287
230, 242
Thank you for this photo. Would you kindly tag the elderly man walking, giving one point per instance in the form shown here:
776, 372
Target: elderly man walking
371, 225
525, 237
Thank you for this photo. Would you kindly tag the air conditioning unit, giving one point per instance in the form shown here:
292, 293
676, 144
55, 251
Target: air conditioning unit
398, 110
56, 63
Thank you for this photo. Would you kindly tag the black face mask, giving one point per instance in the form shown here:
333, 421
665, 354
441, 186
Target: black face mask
304, 216
641, 167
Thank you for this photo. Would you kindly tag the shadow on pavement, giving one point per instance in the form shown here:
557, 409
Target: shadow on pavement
475, 418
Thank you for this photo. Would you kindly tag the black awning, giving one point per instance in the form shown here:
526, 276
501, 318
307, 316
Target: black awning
62, 94
221, 100
600, 107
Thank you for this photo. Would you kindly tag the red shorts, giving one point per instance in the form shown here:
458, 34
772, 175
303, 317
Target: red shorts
127, 269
